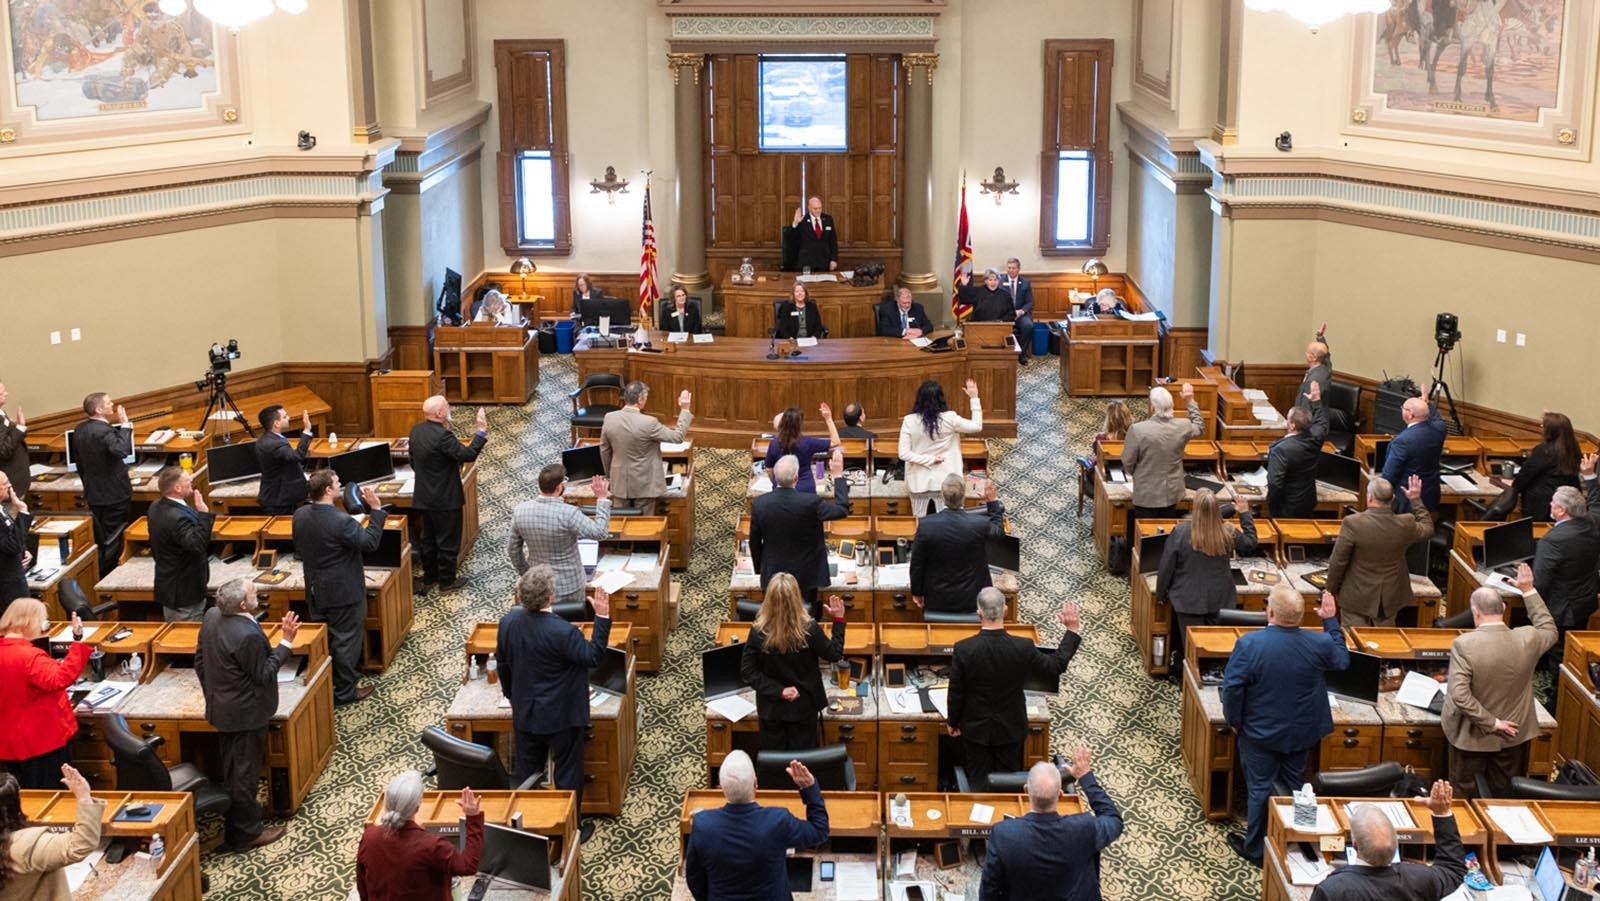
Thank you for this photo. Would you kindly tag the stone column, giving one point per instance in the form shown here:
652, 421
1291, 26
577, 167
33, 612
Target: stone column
688, 119
916, 269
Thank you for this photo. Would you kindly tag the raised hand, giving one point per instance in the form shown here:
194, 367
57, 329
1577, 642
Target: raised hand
305, 421
369, 497
799, 214
469, 802
802, 777
75, 782
1070, 617
1439, 799
199, 501
1082, 761
826, 411
601, 602
971, 388
834, 607
1322, 330
77, 626
1414, 488
991, 491
1315, 394
1587, 465
1524, 578
1329, 608
291, 626
22, 419
122, 415
482, 421
601, 487
966, 278
836, 463
683, 399
1188, 392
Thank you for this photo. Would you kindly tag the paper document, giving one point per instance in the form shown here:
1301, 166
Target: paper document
704, 338
363, 445
677, 337
1253, 394
66, 634
107, 695
941, 700
822, 277
675, 447
1520, 824
588, 551
732, 708
408, 487
83, 869
805, 342
1256, 478
856, 881
504, 702
762, 484
903, 700
920, 342
1418, 690
1306, 872
641, 562
905, 863
1460, 483
982, 813
613, 581
48, 558
609, 562
1325, 821
1138, 317
287, 672
37, 469
1396, 811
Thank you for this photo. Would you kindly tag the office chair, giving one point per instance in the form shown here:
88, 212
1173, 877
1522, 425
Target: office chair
1014, 783
831, 765
140, 770
459, 764
939, 616
1344, 415
1540, 790
745, 610
591, 416
73, 600
1374, 781
1235, 617
573, 611
1462, 620
1085, 481
777, 306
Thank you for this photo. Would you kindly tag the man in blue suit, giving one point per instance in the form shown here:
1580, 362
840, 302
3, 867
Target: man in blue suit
1275, 697
1021, 292
544, 668
1044, 855
737, 852
1416, 452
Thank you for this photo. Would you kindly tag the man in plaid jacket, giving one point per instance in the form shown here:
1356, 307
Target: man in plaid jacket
547, 530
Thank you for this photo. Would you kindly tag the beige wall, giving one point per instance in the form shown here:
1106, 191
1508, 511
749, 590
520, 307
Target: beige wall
1152, 213
452, 234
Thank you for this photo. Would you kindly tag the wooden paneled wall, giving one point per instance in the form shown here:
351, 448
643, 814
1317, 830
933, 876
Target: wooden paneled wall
753, 194
556, 288
1181, 350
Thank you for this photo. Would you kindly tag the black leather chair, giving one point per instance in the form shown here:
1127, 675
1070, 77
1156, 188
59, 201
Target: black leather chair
746, 610
73, 601
1540, 790
1344, 415
1014, 783
1085, 481
462, 764
830, 764
939, 616
588, 415
573, 611
1367, 782
1233, 617
664, 306
1462, 620
139, 769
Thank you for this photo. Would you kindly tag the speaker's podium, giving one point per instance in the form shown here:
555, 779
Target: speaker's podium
992, 363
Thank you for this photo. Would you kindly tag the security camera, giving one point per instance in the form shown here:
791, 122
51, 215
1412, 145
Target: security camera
1284, 142
307, 140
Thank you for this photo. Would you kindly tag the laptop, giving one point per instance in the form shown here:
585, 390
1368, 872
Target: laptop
1358, 681
611, 675
1551, 885
583, 463
719, 670
1380, 455
1506, 545
1340, 472
1151, 547
514, 858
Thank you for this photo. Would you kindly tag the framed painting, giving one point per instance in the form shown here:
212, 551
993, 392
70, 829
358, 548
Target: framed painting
93, 73
1505, 75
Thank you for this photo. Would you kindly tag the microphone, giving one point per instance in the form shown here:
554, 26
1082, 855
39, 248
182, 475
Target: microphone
772, 344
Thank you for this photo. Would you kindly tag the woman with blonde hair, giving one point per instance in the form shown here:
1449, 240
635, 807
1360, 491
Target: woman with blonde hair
39, 718
33, 859
1195, 576
781, 662
398, 860
1118, 421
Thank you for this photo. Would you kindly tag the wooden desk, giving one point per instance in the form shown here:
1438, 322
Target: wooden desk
71, 539
737, 389
646, 602
1113, 500
132, 583
483, 363
551, 814
1575, 826
1282, 838
176, 878
846, 311
1108, 355
1465, 575
677, 505
948, 816
479, 713
397, 397
145, 422
1577, 707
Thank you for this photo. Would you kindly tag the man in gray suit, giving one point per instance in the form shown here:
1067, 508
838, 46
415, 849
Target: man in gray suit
547, 528
1367, 572
1489, 716
630, 447
1152, 455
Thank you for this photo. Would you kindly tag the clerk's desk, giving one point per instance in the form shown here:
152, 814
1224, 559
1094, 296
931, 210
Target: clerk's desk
395, 492
1415, 843
874, 593
1363, 734
1466, 572
168, 702
479, 713
390, 601
897, 750
677, 505
67, 552
551, 814
175, 878
1577, 705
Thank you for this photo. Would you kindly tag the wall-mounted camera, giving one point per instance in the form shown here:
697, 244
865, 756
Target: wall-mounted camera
1284, 142
306, 141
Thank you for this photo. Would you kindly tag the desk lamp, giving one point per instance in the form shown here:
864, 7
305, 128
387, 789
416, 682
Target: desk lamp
1093, 268
522, 268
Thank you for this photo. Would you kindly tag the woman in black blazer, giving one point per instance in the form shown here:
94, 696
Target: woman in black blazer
583, 289
678, 299
1195, 576
781, 662
1549, 466
799, 304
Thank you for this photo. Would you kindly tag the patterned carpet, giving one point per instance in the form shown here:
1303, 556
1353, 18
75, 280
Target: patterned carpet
1131, 722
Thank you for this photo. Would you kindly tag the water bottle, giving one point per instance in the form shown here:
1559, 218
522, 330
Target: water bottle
472, 670
333, 439
135, 666
157, 847
492, 671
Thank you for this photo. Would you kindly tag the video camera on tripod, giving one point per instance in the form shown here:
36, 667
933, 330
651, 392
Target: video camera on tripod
1446, 334
221, 357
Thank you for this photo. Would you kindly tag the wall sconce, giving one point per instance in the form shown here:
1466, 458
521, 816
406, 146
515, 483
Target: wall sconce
522, 268
998, 185
1094, 269
610, 184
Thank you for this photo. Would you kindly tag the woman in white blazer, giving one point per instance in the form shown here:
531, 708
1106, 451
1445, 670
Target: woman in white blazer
930, 441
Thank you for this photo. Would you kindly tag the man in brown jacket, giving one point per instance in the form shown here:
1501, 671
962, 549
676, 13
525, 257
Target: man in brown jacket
630, 448
1152, 455
1489, 715
1367, 573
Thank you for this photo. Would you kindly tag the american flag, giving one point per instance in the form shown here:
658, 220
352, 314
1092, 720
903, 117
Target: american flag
963, 258
649, 293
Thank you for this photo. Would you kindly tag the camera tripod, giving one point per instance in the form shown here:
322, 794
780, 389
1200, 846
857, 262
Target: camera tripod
221, 400
1440, 386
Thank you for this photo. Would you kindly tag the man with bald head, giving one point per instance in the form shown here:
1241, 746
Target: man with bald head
902, 317
437, 498
1376, 877
1044, 854
810, 241
739, 850
1368, 570
1275, 698
786, 532
1313, 396
1416, 452
1489, 715
1565, 559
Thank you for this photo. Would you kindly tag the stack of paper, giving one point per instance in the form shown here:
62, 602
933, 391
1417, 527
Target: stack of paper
1396, 811
1460, 483
1255, 478
613, 580
704, 338
1306, 872
1519, 824
732, 708
856, 881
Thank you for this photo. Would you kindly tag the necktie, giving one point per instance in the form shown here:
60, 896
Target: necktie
816, 226
904, 322
1013, 290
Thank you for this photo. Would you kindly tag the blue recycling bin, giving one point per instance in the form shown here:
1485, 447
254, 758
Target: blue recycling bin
564, 337
1041, 339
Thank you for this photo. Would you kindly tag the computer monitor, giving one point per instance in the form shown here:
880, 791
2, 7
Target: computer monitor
514, 856
1034, 680
719, 670
365, 465
73, 455
612, 672
583, 462
232, 462
620, 311
387, 556
1380, 454
1151, 547
1000, 551
449, 303
1339, 471
1510, 542
1358, 681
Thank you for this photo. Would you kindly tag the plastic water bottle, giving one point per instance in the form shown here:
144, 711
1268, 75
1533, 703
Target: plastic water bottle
157, 847
472, 670
492, 671
135, 666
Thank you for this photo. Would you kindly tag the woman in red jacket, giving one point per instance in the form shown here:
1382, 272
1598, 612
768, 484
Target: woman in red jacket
401, 861
33, 746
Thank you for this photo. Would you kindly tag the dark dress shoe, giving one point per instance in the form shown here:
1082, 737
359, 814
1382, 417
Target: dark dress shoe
421, 587
1236, 842
457, 585
267, 837
362, 693
585, 831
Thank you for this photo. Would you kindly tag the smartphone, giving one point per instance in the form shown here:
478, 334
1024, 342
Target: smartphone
825, 871
914, 893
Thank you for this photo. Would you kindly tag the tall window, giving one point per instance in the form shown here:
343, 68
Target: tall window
535, 202
1075, 167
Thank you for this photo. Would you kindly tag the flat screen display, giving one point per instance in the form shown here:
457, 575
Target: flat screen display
1151, 547
583, 462
365, 465
612, 673
232, 462
1510, 542
387, 556
1340, 472
719, 668
803, 102
514, 856
1358, 681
